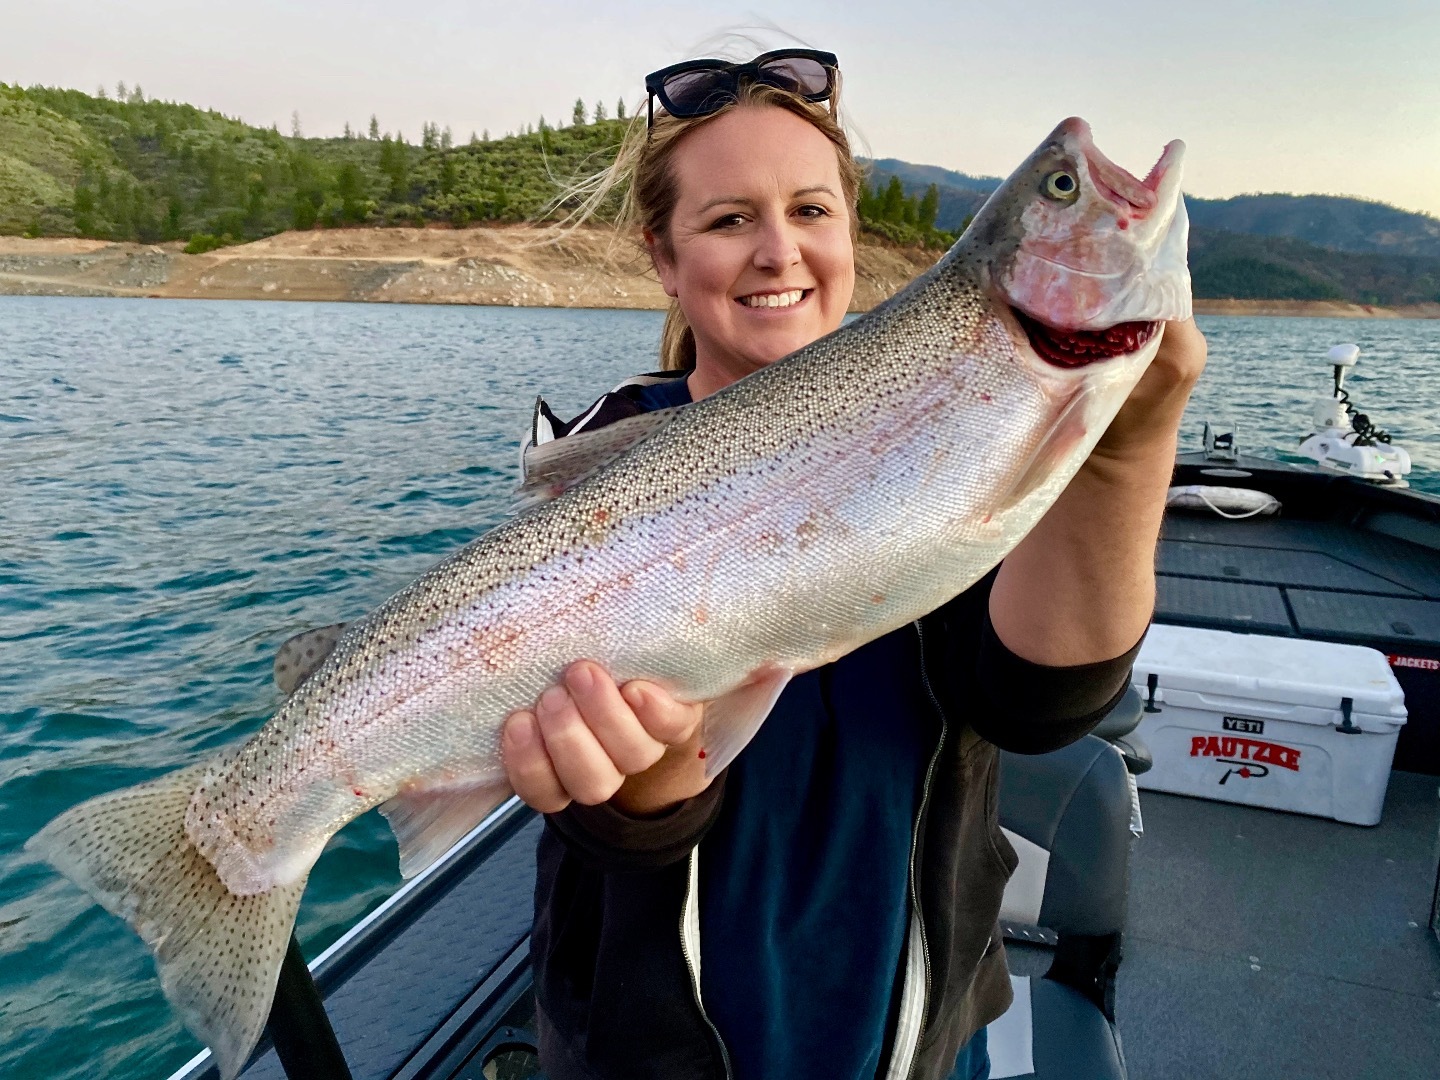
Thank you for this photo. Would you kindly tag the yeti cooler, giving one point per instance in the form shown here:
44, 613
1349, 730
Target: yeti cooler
1306, 726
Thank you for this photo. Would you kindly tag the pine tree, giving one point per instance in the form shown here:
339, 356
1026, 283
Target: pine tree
429, 138
599, 112
121, 94
84, 209
929, 208
869, 203
446, 139
348, 134
102, 93
892, 203
295, 131
374, 128
620, 109
485, 135
137, 96
577, 117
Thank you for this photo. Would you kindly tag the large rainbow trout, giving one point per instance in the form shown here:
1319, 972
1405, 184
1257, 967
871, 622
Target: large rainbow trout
717, 549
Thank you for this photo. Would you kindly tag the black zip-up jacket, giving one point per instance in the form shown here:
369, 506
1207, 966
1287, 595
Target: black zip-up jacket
615, 943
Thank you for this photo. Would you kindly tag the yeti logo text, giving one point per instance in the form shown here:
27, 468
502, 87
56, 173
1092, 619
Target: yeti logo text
1247, 758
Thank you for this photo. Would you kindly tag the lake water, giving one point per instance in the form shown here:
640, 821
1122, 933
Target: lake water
185, 484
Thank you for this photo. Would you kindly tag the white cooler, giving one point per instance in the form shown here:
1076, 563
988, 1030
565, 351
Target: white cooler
1307, 726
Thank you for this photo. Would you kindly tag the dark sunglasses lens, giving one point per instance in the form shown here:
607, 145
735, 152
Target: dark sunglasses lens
694, 93
798, 74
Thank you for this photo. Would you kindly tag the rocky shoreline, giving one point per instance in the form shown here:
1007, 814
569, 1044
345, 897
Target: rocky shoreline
515, 266
519, 266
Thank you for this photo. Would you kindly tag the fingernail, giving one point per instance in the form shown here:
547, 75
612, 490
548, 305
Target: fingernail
522, 732
634, 696
554, 699
580, 679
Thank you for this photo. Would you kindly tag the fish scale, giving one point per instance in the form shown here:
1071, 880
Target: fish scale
768, 529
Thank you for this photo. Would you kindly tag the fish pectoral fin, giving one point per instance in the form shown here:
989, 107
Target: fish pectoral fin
554, 467
732, 720
218, 954
1067, 430
429, 821
297, 659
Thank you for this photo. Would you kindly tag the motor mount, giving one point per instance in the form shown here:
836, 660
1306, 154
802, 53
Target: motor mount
1345, 440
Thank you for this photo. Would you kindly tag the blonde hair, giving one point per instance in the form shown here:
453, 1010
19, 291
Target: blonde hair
642, 172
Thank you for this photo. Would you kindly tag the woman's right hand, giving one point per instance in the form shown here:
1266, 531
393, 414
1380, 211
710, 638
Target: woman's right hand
591, 741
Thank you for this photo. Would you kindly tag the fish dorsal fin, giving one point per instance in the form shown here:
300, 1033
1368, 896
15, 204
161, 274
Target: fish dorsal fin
1067, 430
298, 658
554, 467
429, 821
732, 719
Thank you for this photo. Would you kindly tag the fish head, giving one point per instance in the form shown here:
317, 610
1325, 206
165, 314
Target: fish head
1088, 258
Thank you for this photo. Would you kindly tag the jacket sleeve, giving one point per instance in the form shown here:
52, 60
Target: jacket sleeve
606, 839
1018, 705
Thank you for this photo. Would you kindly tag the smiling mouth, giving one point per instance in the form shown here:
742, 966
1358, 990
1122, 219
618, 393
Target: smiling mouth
1076, 348
787, 298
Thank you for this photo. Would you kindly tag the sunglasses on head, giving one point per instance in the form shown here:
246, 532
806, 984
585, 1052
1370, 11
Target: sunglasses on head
701, 87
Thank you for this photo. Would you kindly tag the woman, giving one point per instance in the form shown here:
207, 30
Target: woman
845, 895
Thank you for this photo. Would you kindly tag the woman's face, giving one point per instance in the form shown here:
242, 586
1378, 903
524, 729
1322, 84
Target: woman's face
760, 256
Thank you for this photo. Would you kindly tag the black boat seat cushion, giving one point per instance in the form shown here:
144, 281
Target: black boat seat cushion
1067, 814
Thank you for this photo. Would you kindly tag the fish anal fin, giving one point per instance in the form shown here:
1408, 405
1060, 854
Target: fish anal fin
732, 720
218, 954
1061, 438
297, 659
554, 467
429, 821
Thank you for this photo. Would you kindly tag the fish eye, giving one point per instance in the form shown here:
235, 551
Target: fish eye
1062, 185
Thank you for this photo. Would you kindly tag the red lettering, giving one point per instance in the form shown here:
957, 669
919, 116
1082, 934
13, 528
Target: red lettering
1262, 753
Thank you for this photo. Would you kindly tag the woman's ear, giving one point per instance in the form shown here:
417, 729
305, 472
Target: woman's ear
661, 260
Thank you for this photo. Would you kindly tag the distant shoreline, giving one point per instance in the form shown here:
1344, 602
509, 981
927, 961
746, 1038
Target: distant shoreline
496, 266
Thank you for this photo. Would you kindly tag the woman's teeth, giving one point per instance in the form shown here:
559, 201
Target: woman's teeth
768, 300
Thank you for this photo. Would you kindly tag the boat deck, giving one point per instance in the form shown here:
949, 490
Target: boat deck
1343, 562
1263, 944
1260, 944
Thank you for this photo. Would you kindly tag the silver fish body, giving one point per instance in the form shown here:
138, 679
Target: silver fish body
763, 531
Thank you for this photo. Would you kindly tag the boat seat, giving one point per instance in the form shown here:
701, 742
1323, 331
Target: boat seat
1068, 815
1118, 729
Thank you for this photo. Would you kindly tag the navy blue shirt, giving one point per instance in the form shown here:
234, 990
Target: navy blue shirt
804, 879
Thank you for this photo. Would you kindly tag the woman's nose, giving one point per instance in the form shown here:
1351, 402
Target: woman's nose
778, 247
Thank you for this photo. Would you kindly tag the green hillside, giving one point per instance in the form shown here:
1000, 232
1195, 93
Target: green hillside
72, 164
1227, 265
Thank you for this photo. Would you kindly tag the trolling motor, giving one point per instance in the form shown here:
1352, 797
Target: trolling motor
1345, 440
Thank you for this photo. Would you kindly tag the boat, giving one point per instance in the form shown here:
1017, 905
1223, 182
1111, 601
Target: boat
1254, 943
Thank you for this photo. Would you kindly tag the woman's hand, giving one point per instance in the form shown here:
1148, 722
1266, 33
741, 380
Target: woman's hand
591, 741
1149, 419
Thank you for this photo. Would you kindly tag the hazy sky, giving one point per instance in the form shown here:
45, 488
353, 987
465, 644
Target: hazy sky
1322, 96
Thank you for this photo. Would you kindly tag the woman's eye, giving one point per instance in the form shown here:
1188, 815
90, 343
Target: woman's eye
813, 211
727, 221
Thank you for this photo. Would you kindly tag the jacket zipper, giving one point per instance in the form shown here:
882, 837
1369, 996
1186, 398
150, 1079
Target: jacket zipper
694, 974
915, 844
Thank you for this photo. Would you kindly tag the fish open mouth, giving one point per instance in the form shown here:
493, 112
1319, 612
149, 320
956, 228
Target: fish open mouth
1076, 348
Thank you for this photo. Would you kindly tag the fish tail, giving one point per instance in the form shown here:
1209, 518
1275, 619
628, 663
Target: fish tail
218, 954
